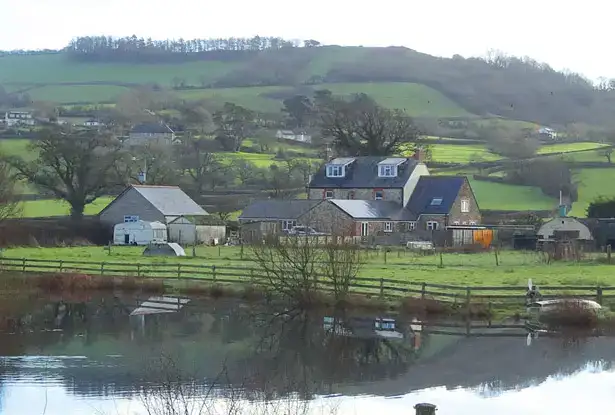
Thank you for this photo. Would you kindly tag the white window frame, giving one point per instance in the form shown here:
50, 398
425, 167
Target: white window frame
381, 195
456, 223
387, 170
465, 205
286, 223
473, 223
411, 226
335, 170
432, 225
388, 226
350, 195
436, 204
327, 192
131, 218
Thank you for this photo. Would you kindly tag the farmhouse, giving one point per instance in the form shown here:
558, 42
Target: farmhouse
164, 204
13, 118
154, 133
291, 135
383, 200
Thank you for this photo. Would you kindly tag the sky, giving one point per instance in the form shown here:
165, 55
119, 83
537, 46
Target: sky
565, 34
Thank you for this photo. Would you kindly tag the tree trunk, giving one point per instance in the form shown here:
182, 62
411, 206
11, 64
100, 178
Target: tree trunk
76, 210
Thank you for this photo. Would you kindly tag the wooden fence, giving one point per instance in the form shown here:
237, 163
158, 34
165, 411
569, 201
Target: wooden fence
382, 287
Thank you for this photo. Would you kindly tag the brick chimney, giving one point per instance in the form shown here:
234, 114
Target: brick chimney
420, 155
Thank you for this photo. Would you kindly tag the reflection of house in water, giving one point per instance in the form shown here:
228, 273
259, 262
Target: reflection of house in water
373, 328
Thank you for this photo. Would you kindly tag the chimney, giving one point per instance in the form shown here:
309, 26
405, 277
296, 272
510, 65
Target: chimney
419, 155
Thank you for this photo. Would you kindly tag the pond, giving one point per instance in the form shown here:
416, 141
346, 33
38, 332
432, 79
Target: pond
121, 355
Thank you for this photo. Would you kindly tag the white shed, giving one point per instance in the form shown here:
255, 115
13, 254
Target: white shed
184, 231
566, 225
139, 233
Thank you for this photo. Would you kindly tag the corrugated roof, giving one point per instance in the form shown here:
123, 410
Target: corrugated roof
278, 209
373, 209
429, 188
363, 173
170, 200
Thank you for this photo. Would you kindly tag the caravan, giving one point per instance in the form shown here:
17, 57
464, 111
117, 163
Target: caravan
139, 233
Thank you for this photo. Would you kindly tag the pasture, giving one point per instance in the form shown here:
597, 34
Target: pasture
54, 207
458, 269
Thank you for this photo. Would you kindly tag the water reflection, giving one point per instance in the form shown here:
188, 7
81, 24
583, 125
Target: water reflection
144, 353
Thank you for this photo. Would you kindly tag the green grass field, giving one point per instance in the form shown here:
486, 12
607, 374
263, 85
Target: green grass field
43, 208
451, 153
459, 269
592, 184
499, 196
77, 93
568, 147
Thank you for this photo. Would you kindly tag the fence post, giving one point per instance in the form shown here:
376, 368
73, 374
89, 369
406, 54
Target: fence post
468, 299
138, 270
179, 270
61, 265
219, 250
381, 288
441, 260
241, 251
213, 271
599, 295
23, 265
385, 255
102, 268
423, 289
608, 253
497, 259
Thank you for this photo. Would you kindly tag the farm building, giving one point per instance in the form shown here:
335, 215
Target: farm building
151, 133
564, 227
139, 233
187, 232
151, 204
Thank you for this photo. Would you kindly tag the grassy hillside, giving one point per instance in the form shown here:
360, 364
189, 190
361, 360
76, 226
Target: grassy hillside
520, 90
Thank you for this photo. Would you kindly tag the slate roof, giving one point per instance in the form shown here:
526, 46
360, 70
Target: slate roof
373, 209
277, 209
363, 173
169, 200
433, 187
151, 128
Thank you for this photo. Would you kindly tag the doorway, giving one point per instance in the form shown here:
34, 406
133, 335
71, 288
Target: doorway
126, 239
364, 228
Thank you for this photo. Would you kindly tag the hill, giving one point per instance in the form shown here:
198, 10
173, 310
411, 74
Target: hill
519, 89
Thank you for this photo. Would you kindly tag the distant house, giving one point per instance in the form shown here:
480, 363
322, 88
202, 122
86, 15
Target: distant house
564, 227
92, 123
165, 204
393, 199
154, 133
291, 135
16, 118
548, 133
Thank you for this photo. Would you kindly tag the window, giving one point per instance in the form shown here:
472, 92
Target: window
288, 224
328, 194
388, 226
436, 201
411, 226
456, 222
131, 218
159, 234
378, 195
465, 205
350, 195
387, 171
335, 171
472, 222
432, 225
465, 222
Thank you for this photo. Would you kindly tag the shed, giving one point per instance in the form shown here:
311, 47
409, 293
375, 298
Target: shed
150, 203
188, 231
139, 233
567, 227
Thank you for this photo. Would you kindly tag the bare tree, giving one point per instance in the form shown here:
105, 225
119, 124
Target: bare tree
361, 127
296, 267
199, 162
75, 166
9, 202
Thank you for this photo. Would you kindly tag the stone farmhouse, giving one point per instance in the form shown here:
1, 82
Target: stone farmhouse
386, 200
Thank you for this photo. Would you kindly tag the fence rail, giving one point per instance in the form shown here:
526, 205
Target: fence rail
383, 287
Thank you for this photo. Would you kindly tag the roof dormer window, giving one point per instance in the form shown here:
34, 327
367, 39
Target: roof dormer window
389, 167
337, 167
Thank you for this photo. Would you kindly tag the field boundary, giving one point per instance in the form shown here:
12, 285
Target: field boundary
381, 287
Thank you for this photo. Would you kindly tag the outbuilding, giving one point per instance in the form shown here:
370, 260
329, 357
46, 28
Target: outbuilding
564, 227
139, 233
